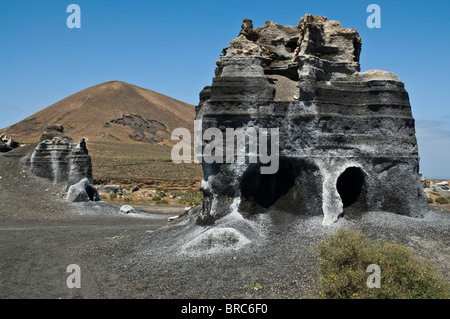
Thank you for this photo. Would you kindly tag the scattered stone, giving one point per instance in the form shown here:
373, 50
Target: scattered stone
440, 187
186, 212
110, 188
443, 185
83, 191
127, 209
135, 189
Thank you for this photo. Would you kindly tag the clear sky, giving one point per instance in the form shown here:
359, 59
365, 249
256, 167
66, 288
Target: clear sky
171, 47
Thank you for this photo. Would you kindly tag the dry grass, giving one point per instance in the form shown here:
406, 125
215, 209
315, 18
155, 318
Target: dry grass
139, 163
117, 157
149, 167
155, 196
436, 198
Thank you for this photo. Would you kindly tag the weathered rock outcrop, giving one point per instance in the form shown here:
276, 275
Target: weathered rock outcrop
59, 159
346, 139
7, 143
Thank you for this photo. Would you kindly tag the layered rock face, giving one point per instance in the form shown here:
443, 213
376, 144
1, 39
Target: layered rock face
346, 139
59, 159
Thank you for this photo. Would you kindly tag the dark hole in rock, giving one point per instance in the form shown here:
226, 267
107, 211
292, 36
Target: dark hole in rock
92, 193
295, 188
350, 185
292, 44
266, 189
290, 71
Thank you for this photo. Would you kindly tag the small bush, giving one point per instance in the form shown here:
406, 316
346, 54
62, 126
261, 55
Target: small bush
156, 198
112, 196
345, 256
255, 287
442, 200
163, 201
430, 200
127, 200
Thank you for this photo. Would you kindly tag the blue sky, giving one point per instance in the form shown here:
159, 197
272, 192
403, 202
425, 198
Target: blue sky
171, 47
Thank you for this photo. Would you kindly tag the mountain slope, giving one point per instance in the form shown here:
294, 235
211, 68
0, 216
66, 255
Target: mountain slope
127, 129
115, 111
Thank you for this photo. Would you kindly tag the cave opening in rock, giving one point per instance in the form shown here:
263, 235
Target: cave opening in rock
351, 186
266, 189
295, 188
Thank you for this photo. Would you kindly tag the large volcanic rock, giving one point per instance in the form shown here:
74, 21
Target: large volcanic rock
59, 159
346, 139
83, 191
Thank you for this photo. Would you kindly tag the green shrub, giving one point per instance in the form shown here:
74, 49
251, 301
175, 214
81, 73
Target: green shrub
163, 201
127, 200
156, 198
345, 256
430, 200
442, 200
112, 196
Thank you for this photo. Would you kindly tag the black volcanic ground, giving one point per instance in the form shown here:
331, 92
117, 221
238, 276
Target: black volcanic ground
141, 256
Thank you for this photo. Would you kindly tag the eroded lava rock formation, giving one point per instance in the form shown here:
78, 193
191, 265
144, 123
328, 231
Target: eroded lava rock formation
58, 158
7, 143
346, 138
